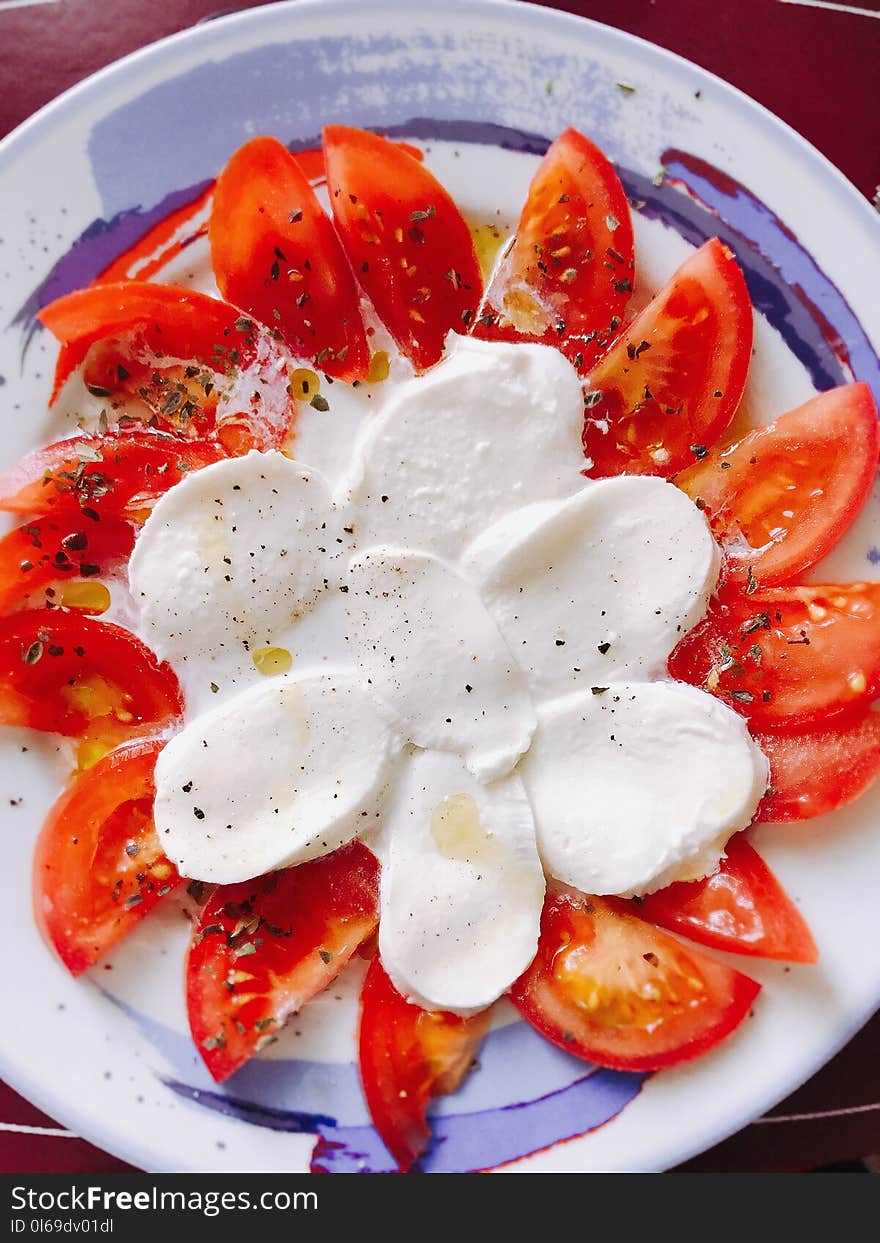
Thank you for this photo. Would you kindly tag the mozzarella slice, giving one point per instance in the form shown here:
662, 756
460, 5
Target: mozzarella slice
599, 586
640, 786
461, 885
286, 771
491, 427
433, 656
229, 558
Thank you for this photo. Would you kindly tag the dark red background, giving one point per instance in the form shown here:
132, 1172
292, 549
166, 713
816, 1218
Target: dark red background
818, 69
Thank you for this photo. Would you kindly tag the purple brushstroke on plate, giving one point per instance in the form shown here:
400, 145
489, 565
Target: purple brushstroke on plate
475, 1128
95, 249
460, 1143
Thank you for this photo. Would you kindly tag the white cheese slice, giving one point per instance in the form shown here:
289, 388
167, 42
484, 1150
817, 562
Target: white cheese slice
461, 884
432, 655
599, 586
228, 560
640, 786
286, 771
491, 427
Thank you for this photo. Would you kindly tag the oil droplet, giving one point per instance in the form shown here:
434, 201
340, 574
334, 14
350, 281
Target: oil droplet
304, 384
488, 241
458, 833
88, 595
380, 365
271, 660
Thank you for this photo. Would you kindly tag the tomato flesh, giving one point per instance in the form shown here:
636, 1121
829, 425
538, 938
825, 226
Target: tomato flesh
407, 243
782, 497
568, 275
69, 674
276, 255
45, 554
118, 473
816, 771
787, 656
407, 1056
167, 320
672, 380
98, 867
618, 992
263, 948
742, 908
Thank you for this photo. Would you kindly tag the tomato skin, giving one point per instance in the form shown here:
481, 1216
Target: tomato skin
787, 657
675, 376
118, 473
782, 497
587, 988
64, 673
98, 866
407, 1056
304, 924
63, 546
291, 274
168, 319
741, 908
816, 771
569, 274
406, 241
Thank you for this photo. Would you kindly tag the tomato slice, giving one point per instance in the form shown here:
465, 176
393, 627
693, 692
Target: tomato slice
787, 656
167, 320
311, 162
569, 274
98, 867
408, 1056
263, 948
118, 473
62, 547
741, 908
276, 255
69, 674
818, 770
782, 498
405, 238
618, 992
672, 381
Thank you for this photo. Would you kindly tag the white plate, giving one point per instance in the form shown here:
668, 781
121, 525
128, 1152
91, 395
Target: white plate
109, 1056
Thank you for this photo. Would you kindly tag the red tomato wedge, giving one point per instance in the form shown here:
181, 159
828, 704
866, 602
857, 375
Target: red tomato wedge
263, 948
311, 162
618, 992
98, 868
276, 255
407, 1057
741, 908
66, 545
167, 320
69, 674
118, 473
405, 238
787, 656
569, 274
821, 769
782, 497
671, 382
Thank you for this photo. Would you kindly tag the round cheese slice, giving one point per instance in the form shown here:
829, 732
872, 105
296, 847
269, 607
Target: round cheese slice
284, 772
639, 785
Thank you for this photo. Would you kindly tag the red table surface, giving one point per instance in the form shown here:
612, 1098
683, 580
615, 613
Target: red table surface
815, 64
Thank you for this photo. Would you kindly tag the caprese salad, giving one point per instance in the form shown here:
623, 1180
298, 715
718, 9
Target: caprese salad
435, 709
